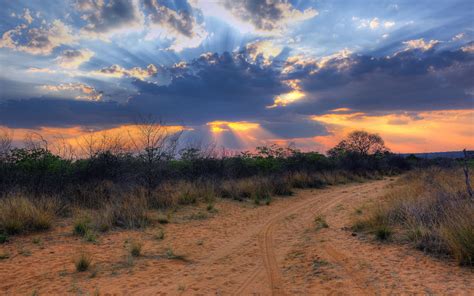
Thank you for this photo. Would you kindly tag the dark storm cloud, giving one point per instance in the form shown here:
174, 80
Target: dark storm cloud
267, 15
181, 21
104, 17
408, 80
213, 87
33, 113
293, 126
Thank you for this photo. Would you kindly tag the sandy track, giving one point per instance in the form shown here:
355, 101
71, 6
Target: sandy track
242, 250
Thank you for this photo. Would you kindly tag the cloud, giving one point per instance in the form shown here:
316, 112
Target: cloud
409, 80
265, 49
459, 36
34, 113
468, 47
73, 58
80, 90
373, 24
40, 70
107, 18
27, 16
116, 71
269, 16
38, 41
181, 26
420, 44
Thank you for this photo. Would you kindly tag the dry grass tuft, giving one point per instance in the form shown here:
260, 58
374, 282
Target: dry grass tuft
19, 214
431, 209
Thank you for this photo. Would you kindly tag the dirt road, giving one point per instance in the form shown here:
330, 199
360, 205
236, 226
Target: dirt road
241, 250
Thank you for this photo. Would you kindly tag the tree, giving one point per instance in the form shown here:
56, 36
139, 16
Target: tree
359, 142
5, 142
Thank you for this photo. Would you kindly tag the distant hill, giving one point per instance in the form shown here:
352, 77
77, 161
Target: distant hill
447, 154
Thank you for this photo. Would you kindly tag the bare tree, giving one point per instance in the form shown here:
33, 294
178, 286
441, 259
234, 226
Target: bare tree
6, 139
154, 143
95, 143
35, 141
360, 142
63, 148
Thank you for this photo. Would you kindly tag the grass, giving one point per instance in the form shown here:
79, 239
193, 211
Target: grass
20, 214
383, 232
171, 255
82, 225
320, 223
135, 248
4, 255
431, 210
160, 235
3, 238
83, 262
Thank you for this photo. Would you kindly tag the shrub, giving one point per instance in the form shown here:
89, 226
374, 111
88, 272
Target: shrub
83, 262
135, 248
20, 214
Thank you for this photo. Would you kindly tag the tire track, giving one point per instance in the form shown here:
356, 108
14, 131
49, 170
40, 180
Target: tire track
265, 238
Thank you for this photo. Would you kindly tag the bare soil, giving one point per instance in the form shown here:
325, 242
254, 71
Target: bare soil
243, 249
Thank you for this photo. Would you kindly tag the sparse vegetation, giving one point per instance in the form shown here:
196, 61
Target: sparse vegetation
20, 214
431, 209
83, 262
135, 248
320, 222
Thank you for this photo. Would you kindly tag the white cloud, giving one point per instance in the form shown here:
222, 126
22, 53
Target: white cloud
72, 59
38, 41
459, 36
388, 24
420, 44
80, 91
115, 71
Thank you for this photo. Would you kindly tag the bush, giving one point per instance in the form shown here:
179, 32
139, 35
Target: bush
20, 214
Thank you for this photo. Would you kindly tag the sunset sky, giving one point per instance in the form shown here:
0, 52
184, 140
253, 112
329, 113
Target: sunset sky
243, 73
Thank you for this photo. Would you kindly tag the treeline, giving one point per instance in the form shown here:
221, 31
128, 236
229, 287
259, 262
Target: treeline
35, 169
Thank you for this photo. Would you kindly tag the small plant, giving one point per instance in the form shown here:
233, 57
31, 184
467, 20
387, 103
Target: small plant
383, 232
171, 255
82, 226
198, 216
318, 263
160, 235
36, 241
210, 208
320, 222
3, 238
162, 219
135, 248
83, 262
90, 236
4, 255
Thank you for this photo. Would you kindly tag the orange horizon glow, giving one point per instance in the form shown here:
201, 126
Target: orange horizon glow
431, 131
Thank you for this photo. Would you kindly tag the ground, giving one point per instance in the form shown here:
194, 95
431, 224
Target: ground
242, 249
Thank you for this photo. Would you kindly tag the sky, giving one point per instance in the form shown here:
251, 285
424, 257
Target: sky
241, 74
